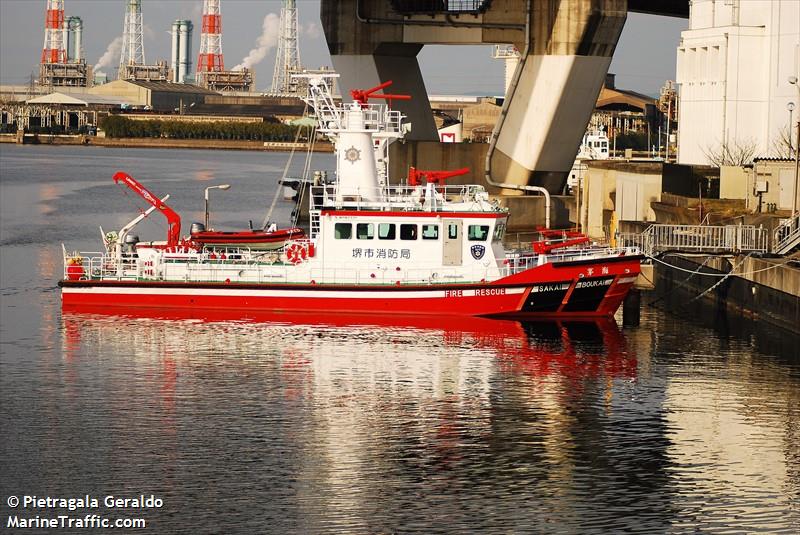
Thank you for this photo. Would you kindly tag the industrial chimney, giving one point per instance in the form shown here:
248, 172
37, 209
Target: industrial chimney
181, 50
74, 26
55, 47
210, 57
58, 68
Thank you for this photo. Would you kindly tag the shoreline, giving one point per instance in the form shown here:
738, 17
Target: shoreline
162, 143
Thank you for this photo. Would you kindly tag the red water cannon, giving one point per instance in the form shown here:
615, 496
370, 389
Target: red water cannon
416, 176
362, 96
557, 239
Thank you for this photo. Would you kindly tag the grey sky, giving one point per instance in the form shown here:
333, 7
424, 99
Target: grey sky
644, 59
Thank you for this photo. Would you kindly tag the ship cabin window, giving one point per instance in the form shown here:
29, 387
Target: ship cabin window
430, 232
499, 232
343, 231
408, 232
452, 231
478, 232
365, 231
386, 231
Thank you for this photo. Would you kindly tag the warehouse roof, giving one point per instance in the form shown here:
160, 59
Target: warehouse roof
78, 99
173, 88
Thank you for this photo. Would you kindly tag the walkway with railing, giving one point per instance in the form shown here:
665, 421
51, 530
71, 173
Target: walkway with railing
711, 239
787, 235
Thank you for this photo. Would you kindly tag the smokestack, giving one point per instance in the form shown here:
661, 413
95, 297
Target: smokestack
173, 64
210, 57
78, 39
55, 47
74, 29
185, 56
181, 50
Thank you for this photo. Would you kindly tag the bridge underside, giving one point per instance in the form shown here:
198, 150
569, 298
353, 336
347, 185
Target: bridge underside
566, 48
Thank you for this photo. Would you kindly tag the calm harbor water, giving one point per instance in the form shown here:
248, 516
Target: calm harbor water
316, 424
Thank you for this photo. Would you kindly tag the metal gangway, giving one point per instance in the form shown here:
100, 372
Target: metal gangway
787, 235
702, 239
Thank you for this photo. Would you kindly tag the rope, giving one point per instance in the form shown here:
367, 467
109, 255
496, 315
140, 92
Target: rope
285, 172
304, 176
731, 272
680, 284
716, 274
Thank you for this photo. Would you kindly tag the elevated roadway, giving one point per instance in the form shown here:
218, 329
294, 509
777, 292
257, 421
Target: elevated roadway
566, 48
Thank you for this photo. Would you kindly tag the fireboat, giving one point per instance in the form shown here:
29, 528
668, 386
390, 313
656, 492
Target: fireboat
421, 247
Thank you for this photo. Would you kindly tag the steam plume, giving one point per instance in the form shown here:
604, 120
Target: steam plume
110, 57
267, 40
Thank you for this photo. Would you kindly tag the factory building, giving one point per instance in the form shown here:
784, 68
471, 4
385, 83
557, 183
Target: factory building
155, 96
733, 69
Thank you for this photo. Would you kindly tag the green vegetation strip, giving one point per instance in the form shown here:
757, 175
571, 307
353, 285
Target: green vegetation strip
117, 126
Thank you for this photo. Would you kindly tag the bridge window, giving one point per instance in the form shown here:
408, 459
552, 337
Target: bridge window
386, 231
499, 232
343, 231
365, 231
408, 232
440, 6
430, 232
478, 232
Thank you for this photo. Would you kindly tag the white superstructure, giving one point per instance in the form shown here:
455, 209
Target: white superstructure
734, 63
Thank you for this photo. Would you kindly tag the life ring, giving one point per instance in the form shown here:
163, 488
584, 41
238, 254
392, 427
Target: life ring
296, 253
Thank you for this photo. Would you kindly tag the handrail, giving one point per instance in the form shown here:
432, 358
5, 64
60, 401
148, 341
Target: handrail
242, 264
787, 235
699, 238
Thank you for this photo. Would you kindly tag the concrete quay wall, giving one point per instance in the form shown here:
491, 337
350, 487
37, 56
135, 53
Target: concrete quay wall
764, 289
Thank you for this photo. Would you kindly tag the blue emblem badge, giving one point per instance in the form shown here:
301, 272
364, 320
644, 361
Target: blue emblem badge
477, 251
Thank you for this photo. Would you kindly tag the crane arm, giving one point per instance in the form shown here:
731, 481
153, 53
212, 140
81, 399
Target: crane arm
173, 219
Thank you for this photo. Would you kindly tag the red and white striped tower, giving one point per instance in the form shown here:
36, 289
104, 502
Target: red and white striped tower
55, 44
210, 56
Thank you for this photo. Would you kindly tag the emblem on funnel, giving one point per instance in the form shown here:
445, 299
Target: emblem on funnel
352, 155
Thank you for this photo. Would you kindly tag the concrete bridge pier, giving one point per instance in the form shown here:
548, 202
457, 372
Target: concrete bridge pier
549, 104
566, 49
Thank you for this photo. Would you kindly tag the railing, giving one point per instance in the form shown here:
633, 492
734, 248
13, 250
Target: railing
243, 265
100, 265
787, 235
398, 198
699, 238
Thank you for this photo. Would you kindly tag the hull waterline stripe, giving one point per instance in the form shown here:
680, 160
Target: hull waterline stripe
330, 294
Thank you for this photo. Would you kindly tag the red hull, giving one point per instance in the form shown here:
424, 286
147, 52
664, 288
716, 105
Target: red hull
550, 290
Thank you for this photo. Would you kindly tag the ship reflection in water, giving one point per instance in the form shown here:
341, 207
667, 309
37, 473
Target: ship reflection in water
398, 424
